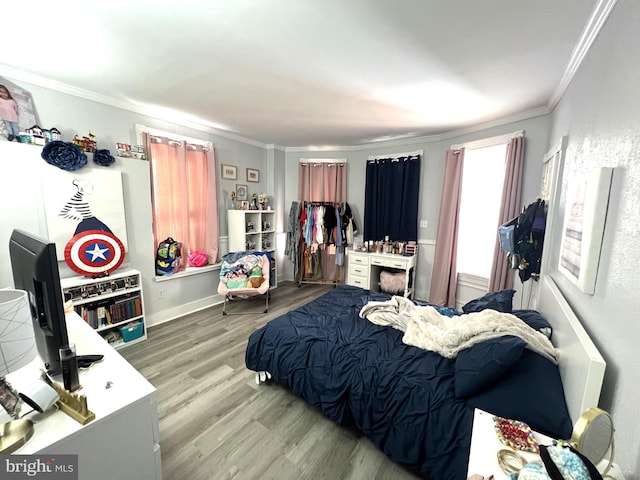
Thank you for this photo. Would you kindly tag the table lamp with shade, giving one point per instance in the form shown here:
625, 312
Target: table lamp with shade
18, 350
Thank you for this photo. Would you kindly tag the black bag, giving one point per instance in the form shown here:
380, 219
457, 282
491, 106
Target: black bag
529, 239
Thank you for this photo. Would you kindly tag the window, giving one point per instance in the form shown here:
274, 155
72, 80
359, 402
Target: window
183, 190
482, 183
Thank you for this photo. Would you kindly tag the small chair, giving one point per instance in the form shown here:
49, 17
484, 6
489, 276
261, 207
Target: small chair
247, 291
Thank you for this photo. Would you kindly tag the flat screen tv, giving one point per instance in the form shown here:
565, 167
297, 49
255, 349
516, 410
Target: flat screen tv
35, 270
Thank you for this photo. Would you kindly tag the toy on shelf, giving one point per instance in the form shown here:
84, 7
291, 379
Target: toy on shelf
37, 137
127, 151
86, 144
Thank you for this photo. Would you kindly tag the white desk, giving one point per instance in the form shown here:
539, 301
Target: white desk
364, 269
483, 459
123, 440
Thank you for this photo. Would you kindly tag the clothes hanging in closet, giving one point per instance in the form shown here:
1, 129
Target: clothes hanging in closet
316, 227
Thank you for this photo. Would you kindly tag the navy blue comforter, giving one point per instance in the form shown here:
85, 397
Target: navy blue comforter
362, 375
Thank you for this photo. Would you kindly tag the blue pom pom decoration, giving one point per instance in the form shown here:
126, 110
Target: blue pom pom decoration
64, 155
103, 157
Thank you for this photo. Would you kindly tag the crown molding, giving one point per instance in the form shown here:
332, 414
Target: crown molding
537, 112
594, 25
172, 117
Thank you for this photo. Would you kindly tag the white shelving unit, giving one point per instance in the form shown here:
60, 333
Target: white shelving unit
113, 306
254, 230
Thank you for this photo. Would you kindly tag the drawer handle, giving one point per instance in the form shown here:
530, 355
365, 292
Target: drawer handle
399, 265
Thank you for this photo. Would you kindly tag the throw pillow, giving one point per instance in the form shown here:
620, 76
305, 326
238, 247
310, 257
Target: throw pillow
500, 301
481, 365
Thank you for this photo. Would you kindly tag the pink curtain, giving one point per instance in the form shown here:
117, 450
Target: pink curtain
444, 276
322, 182
501, 276
184, 199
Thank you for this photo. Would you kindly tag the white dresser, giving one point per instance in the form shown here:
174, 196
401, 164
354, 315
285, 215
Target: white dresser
364, 269
123, 441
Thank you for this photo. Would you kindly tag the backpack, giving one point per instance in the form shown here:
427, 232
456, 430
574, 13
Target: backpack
529, 239
168, 256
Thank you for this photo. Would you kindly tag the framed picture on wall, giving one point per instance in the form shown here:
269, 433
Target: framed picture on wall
229, 172
242, 193
253, 175
22, 104
583, 230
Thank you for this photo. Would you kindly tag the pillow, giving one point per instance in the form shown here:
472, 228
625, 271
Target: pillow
480, 365
535, 320
500, 301
530, 391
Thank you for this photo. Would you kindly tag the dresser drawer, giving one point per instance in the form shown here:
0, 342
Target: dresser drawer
358, 259
399, 263
362, 282
358, 270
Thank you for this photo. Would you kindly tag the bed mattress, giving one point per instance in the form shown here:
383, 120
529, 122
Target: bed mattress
361, 375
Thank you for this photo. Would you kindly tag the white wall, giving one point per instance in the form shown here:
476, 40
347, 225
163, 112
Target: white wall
75, 115
600, 114
432, 173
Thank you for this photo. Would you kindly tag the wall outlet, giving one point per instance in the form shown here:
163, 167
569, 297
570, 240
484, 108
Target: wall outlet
424, 223
161, 293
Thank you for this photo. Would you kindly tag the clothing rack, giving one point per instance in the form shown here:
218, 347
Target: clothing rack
305, 252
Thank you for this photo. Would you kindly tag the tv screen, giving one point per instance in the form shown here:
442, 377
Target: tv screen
35, 269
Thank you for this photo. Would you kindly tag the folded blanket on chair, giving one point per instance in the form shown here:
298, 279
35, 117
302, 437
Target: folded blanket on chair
425, 328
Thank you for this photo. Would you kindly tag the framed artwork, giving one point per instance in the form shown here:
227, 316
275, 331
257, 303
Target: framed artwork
82, 200
244, 205
253, 175
26, 109
242, 192
229, 172
584, 220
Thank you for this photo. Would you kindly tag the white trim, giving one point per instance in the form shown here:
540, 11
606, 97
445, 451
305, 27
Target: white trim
140, 129
397, 155
594, 24
172, 117
323, 160
488, 142
187, 272
537, 112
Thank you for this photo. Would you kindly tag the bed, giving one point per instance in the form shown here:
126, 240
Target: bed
416, 405
245, 275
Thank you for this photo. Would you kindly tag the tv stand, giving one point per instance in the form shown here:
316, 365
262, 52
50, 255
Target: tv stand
123, 440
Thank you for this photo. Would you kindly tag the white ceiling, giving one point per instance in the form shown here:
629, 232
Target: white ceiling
306, 72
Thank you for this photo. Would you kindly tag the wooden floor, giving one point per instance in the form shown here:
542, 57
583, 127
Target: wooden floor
216, 423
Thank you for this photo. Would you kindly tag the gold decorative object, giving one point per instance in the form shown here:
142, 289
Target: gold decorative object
73, 404
510, 461
14, 434
593, 436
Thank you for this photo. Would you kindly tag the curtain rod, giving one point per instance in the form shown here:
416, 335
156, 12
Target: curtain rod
171, 136
488, 142
396, 155
322, 160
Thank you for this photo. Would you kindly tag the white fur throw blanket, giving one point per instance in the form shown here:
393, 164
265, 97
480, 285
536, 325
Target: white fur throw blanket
425, 328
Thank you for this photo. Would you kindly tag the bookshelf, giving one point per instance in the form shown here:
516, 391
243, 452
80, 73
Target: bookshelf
113, 306
254, 230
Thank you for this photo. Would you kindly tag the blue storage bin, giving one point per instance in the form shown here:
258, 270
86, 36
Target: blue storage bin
131, 331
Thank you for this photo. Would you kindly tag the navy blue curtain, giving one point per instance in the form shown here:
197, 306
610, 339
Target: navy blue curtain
391, 199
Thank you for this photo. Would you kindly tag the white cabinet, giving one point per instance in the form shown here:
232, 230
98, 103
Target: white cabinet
254, 230
113, 305
364, 269
123, 442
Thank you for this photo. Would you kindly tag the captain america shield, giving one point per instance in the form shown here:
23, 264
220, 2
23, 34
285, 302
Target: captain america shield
93, 253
